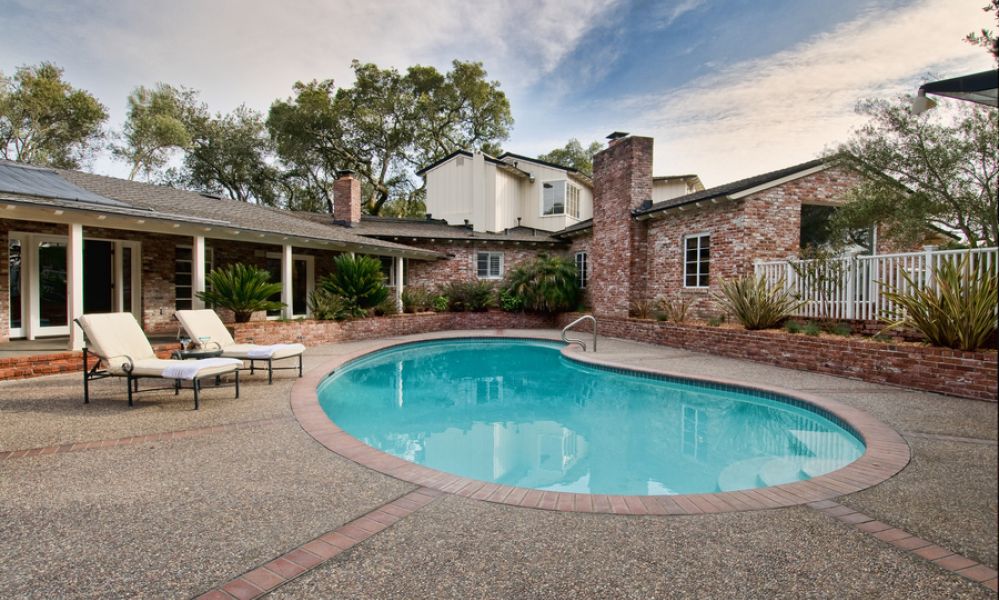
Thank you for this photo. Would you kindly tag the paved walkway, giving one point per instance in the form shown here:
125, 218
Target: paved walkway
235, 500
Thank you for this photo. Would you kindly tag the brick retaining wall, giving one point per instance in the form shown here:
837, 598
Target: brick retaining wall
953, 372
24, 367
311, 332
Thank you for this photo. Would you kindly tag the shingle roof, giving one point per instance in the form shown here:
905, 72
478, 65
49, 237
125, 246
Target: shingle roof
437, 229
575, 228
177, 204
730, 188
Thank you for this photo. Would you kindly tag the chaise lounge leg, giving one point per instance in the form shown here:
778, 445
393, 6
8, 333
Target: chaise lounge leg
86, 378
251, 366
237, 384
300, 366
270, 372
196, 384
128, 382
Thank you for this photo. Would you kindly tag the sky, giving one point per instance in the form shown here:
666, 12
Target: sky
728, 88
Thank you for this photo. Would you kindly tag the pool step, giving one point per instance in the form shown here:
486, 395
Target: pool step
780, 470
742, 475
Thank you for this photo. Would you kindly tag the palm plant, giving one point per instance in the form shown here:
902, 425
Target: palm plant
243, 289
755, 304
358, 282
547, 284
957, 310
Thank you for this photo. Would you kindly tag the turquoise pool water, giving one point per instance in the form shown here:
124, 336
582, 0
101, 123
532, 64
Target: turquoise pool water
517, 412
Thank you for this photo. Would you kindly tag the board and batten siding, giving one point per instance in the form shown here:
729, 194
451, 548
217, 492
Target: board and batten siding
449, 190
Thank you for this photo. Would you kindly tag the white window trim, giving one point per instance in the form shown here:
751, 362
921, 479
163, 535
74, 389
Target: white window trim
475, 264
541, 201
310, 280
582, 278
684, 261
209, 259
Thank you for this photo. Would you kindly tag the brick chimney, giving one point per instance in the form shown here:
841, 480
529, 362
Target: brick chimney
623, 180
347, 198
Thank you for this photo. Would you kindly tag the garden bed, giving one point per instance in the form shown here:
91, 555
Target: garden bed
907, 364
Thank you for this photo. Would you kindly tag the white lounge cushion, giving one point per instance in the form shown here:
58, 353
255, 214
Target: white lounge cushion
114, 336
155, 367
194, 369
274, 351
205, 323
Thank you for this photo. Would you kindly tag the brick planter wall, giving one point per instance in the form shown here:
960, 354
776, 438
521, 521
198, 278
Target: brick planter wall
953, 372
24, 367
311, 332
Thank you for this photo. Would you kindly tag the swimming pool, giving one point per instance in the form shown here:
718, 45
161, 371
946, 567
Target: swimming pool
517, 412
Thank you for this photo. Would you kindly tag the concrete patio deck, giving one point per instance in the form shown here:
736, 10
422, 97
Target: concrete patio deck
164, 514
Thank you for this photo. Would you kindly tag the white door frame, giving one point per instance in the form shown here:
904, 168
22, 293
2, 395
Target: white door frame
30, 284
310, 261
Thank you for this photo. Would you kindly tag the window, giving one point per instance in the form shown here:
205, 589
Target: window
559, 198
581, 269
183, 276
302, 282
489, 265
696, 261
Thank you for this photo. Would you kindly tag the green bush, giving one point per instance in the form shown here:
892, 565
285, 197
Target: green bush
386, 308
841, 329
417, 299
243, 289
812, 328
958, 310
793, 327
326, 306
675, 311
358, 281
546, 284
510, 302
642, 309
716, 321
469, 296
755, 304
439, 303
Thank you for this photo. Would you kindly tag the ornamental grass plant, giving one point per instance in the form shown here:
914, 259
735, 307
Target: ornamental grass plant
755, 304
958, 309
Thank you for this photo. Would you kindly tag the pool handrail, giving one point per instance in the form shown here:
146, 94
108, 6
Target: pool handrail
581, 342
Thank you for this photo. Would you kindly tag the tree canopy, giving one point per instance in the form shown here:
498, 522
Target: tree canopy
386, 126
159, 120
573, 154
46, 121
937, 169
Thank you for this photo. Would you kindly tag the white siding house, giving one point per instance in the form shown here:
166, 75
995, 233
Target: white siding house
493, 194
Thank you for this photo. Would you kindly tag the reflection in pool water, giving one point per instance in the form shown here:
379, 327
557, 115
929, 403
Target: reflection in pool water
516, 412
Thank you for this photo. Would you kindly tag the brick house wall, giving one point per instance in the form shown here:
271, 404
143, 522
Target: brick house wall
461, 264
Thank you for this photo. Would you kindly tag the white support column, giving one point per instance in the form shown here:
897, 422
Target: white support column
286, 280
399, 283
74, 283
197, 270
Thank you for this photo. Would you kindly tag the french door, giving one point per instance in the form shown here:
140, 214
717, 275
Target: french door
37, 281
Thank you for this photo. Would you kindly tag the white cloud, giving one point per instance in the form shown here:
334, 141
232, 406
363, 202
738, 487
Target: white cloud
758, 115
673, 12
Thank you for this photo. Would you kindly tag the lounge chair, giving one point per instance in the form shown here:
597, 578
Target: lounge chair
207, 331
118, 341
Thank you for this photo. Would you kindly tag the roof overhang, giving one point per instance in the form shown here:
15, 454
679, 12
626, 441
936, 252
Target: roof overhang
28, 209
980, 88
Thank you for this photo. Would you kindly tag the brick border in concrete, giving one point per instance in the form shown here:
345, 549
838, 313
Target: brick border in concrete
885, 455
904, 540
302, 559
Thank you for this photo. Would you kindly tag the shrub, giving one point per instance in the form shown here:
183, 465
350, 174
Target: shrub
326, 306
417, 299
509, 301
386, 308
957, 310
716, 321
755, 304
793, 327
675, 311
243, 289
469, 296
642, 309
546, 284
839, 329
439, 303
812, 328
358, 281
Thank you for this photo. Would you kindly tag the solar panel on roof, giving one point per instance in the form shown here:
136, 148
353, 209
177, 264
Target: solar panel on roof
34, 181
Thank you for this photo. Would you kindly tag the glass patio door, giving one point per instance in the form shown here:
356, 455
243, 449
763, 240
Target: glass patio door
49, 294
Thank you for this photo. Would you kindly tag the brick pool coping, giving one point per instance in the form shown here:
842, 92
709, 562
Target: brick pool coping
886, 453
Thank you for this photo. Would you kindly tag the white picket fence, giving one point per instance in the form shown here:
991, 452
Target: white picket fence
852, 287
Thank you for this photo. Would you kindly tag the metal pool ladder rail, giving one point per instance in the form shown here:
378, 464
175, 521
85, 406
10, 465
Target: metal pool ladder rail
581, 342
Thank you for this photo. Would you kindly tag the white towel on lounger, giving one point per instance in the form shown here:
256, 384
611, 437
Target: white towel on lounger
265, 352
189, 369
